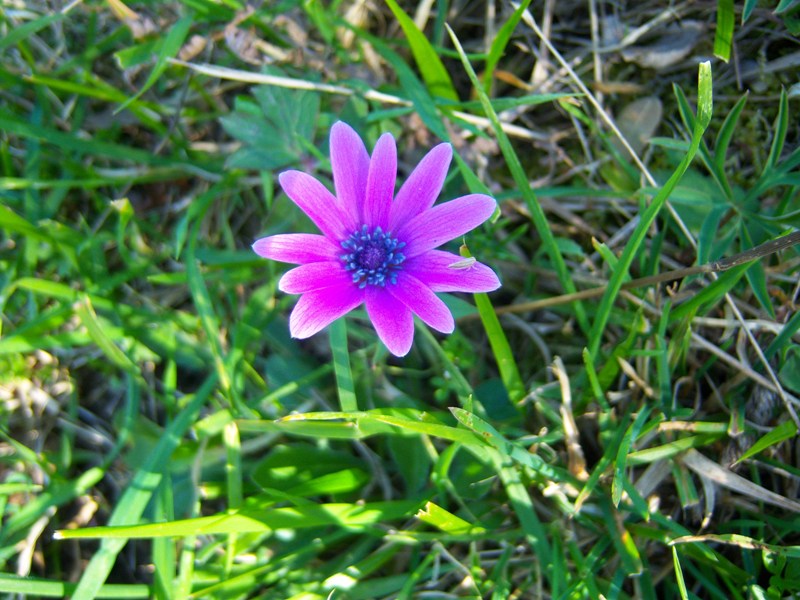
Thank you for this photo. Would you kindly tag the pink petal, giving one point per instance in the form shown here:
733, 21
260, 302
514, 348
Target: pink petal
392, 319
350, 164
380, 182
318, 203
423, 302
434, 270
318, 309
297, 248
422, 187
444, 222
314, 276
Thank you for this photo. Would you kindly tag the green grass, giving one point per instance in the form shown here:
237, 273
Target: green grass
163, 436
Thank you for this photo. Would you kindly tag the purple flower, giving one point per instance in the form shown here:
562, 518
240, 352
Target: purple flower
377, 248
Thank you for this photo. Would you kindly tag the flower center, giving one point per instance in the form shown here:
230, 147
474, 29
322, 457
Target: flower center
373, 257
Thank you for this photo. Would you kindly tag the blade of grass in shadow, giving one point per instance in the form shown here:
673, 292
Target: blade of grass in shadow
61, 493
15, 34
167, 49
621, 462
464, 387
205, 308
80, 147
524, 186
704, 106
521, 502
434, 73
139, 493
341, 366
97, 331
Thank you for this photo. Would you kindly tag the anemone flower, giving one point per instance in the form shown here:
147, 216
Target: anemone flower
377, 248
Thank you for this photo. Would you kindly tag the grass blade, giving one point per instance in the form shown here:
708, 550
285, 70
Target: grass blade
704, 106
723, 39
499, 44
168, 49
341, 366
430, 65
138, 494
524, 186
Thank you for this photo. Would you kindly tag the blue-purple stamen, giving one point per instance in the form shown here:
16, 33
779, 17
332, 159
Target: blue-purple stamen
374, 257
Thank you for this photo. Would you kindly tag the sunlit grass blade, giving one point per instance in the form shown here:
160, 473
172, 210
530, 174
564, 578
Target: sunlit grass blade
723, 37
506, 363
355, 516
444, 520
782, 432
704, 108
523, 185
630, 559
36, 587
671, 449
725, 135
710, 294
430, 65
341, 366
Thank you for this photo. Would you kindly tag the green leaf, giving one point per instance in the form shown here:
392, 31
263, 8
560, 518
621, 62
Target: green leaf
36, 587
676, 564
790, 369
757, 277
506, 363
14, 35
779, 138
444, 520
97, 331
621, 462
784, 337
786, 5
723, 39
783, 431
500, 42
351, 516
428, 62
725, 134
711, 294
749, 7
507, 448
341, 365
